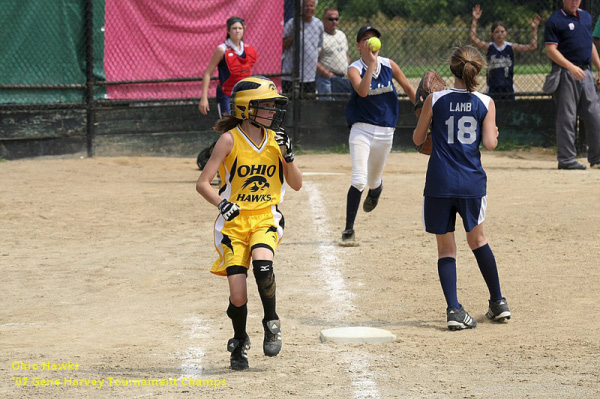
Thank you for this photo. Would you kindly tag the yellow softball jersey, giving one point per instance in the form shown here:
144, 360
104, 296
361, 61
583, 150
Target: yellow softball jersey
252, 173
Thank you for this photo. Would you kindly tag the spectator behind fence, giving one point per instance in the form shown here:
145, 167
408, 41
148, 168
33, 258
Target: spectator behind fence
234, 59
500, 55
568, 38
311, 39
333, 58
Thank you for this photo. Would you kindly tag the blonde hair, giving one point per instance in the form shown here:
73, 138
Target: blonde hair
466, 64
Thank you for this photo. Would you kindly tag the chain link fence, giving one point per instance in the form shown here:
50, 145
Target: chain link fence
419, 35
159, 50
95, 53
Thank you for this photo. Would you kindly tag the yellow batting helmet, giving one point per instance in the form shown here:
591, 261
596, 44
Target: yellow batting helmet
247, 98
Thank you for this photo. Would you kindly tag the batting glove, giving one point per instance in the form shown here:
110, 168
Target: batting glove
229, 210
285, 145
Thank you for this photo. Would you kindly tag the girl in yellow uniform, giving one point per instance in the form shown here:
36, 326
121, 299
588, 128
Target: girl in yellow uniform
254, 158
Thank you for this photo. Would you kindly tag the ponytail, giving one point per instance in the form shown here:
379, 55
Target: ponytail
470, 73
466, 64
226, 123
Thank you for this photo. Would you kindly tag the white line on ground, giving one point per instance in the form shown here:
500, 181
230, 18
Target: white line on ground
191, 358
336, 286
361, 378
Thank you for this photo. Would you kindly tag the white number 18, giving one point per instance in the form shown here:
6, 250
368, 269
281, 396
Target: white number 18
467, 129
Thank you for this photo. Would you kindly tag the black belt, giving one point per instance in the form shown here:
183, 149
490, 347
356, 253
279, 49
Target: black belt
584, 67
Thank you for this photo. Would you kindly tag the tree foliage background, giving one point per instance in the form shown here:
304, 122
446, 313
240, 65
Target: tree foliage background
420, 34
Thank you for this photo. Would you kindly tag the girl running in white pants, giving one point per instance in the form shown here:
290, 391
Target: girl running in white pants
372, 114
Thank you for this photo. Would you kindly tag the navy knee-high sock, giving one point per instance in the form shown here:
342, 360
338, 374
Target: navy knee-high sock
489, 270
352, 204
447, 273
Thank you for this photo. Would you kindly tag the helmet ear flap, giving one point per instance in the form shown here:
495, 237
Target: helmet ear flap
242, 111
252, 109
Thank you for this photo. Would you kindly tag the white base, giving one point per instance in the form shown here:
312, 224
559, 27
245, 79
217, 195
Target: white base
368, 335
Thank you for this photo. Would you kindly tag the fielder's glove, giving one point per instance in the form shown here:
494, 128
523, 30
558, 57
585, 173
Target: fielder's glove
285, 145
229, 210
429, 83
427, 145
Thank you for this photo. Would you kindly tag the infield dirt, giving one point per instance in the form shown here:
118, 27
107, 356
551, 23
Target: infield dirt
105, 263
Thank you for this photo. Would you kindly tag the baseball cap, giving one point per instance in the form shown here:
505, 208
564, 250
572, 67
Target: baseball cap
365, 29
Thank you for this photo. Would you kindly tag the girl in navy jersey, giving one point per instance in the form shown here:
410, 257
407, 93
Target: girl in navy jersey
500, 55
461, 119
372, 114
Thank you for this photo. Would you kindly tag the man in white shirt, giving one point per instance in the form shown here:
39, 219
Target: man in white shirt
311, 40
333, 58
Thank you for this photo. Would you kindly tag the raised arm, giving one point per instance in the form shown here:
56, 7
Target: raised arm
521, 48
362, 86
292, 175
291, 172
473, 34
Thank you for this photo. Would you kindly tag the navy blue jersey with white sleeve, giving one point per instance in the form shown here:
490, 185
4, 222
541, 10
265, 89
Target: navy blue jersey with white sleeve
455, 169
501, 61
380, 106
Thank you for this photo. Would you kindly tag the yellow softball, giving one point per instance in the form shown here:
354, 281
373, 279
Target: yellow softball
374, 44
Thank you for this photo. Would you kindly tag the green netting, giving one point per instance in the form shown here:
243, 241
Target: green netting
43, 43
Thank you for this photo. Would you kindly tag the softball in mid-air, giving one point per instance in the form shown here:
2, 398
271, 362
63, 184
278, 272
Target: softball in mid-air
374, 44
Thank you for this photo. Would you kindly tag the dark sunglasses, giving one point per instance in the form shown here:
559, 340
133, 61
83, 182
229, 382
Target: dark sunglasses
333, 19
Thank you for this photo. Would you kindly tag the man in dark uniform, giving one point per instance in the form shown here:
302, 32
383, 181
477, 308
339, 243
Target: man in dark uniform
568, 38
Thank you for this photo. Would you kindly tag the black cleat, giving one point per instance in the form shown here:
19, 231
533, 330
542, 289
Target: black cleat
571, 166
498, 310
372, 199
239, 353
272, 342
459, 319
348, 239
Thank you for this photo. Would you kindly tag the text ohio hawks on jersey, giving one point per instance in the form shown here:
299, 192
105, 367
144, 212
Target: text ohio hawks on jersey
252, 173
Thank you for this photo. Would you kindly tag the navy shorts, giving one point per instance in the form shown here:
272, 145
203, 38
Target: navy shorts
439, 214
223, 102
